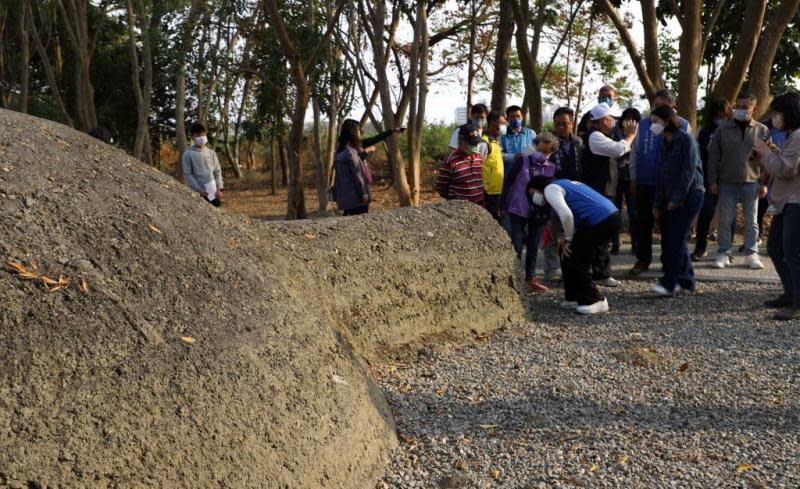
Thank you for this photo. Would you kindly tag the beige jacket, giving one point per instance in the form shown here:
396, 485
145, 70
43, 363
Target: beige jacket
784, 167
729, 153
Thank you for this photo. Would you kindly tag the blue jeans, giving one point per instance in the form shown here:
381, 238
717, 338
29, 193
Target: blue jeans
676, 263
526, 232
783, 246
729, 194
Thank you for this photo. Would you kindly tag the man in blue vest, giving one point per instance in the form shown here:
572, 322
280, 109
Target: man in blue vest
645, 153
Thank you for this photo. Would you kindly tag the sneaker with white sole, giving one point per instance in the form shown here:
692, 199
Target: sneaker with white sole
596, 308
754, 262
663, 291
721, 261
608, 282
568, 304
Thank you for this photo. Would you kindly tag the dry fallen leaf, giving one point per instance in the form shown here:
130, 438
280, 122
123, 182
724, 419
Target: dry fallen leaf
310, 236
495, 473
17, 267
188, 340
594, 468
83, 286
488, 426
441, 390
683, 367
742, 468
48, 281
154, 229
622, 460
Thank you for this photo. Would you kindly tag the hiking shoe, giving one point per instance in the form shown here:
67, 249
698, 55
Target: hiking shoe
721, 261
536, 285
754, 262
568, 304
607, 282
786, 314
638, 269
779, 302
662, 291
596, 308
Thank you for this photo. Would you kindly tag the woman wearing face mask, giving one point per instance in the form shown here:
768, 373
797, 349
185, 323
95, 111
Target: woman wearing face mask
352, 177
717, 112
783, 164
201, 167
527, 226
589, 220
679, 195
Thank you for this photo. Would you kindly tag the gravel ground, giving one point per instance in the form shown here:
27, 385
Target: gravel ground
698, 391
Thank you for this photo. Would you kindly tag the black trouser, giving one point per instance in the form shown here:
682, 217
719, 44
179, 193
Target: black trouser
704, 222
363, 209
783, 246
645, 197
624, 194
492, 203
215, 202
576, 268
763, 206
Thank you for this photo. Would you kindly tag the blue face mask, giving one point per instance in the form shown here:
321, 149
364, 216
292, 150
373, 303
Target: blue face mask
515, 123
608, 101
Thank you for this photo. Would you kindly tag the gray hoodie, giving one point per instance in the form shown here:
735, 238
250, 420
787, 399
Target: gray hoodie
200, 166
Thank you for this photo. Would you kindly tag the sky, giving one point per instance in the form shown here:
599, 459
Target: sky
445, 97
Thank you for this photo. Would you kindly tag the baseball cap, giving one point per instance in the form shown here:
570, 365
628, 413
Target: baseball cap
602, 110
470, 133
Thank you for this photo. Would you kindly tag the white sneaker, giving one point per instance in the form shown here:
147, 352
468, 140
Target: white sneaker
595, 308
754, 262
609, 282
568, 305
721, 261
663, 292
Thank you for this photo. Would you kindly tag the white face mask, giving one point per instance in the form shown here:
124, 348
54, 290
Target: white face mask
538, 199
200, 141
657, 128
503, 129
777, 121
741, 114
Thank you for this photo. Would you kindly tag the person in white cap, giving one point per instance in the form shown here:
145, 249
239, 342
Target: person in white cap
596, 162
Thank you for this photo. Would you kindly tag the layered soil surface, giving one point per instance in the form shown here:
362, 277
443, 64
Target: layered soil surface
148, 339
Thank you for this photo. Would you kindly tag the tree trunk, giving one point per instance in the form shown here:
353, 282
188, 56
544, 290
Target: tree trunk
25, 59
137, 17
633, 51
471, 55
49, 69
77, 27
418, 81
180, 81
691, 45
585, 57
731, 80
651, 55
764, 57
319, 164
273, 146
502, 52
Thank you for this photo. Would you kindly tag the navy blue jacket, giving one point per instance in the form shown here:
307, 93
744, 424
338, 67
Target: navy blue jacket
680, 170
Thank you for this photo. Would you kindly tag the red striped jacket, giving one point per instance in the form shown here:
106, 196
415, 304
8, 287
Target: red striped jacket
461, 177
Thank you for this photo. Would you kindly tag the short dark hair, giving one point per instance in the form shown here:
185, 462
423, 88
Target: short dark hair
631, 113
539, 182
102, 133
788, 104
494, 116
667, 114
748, 96
714, 106
514, 108
664, 93
564, 110
479, 109
197, 128
606, 88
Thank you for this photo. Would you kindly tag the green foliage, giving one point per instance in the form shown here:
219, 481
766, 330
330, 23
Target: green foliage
435, 141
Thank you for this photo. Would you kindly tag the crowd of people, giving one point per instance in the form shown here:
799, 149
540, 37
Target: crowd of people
563, 192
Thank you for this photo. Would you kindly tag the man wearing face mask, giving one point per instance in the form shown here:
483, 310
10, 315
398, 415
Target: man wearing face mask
201, 167
518, 138
461, 175
734, 176
645, 155
478, 118
599, 148
493, 168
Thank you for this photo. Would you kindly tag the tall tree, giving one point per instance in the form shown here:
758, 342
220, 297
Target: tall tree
733, 76
141, 79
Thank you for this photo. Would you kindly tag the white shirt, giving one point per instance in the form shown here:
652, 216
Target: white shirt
602, 145
556, 197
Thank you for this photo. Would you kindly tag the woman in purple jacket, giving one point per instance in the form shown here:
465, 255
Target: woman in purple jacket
527, 226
